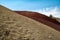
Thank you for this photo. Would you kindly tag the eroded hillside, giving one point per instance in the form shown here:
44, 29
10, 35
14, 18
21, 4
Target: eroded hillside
17, 27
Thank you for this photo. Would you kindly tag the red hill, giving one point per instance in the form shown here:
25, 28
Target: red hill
41, 18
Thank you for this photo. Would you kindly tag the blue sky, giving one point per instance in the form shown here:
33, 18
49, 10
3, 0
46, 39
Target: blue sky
29, 4
42, 6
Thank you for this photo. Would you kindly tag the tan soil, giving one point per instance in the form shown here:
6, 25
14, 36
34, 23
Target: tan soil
17, 27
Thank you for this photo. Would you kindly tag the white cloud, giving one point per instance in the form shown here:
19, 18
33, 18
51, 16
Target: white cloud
55, 11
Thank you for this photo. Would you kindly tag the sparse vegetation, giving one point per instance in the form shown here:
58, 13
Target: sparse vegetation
51, 16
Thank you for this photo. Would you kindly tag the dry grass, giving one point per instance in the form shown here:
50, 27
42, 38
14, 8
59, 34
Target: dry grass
17, 27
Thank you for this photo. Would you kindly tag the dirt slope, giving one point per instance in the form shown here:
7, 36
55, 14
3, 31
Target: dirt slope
58, 19
41, 18
17, 27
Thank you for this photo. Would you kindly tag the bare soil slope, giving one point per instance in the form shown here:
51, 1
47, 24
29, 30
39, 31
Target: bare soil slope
58, 19
17, 27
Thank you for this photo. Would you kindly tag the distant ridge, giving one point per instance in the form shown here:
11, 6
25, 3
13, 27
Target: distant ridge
41, 18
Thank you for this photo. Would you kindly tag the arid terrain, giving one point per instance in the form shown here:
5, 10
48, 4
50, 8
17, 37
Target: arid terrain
18, 27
